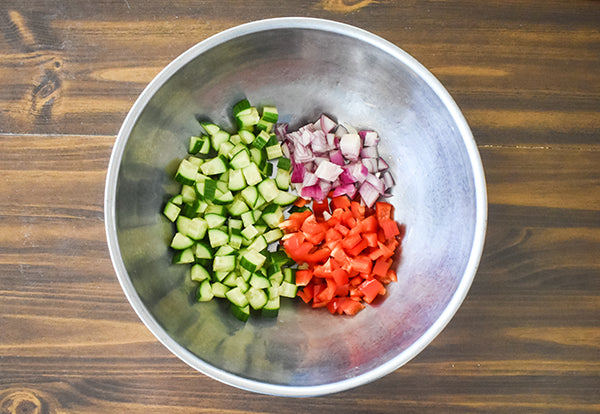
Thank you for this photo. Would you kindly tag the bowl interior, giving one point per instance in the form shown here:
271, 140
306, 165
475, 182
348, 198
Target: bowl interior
305, 68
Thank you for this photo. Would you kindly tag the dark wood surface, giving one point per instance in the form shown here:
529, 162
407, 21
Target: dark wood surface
526, 74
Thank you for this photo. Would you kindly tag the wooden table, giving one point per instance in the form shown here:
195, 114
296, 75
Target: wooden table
526, 73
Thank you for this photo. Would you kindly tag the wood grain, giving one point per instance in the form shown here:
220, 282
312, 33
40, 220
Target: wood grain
525, 73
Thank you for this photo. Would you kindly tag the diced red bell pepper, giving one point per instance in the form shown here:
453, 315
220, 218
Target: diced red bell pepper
340, 202
371, 289
303, 277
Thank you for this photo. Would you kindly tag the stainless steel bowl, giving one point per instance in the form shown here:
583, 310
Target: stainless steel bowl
305, 67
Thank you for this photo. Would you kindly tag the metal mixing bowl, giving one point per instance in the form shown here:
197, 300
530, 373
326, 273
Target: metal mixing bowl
305, 67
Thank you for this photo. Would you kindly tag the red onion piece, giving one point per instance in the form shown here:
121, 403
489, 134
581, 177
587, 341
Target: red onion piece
382, 164
368, 193
337, 158
297, 173
310, 179
370, 138
328, 171
350, 146
371, 164
314, 192
327, 124
369, 152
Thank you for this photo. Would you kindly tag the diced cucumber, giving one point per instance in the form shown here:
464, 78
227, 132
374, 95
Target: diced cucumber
242, 284
271, 308
237, 206
236, 239
209, 127
250, 195
270, 114
241, 313
247, 137
224, 263
171, 211
181, 242
219, 138
242, 105
230, 280
259, 244
204, 293
259, 282
240, 160
184, 256
236, 181
202, 251
289, 275
195, 144
237, 297
194, 228
282, 179
276, 279
272, 215
217, 237
273, 235
188, 194
260, 141
228, 212
199, 273
250, 232
219, 289
284, 164
223, 197
247, 118
284, 198
274, 151
225, 148
257, 298
252, 174
288, 290
268, 189
252, 260
217, 165
225, 251
214, 220
186, 172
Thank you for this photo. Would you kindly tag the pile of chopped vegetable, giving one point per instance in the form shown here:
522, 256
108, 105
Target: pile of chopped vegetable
249, 238
346, 251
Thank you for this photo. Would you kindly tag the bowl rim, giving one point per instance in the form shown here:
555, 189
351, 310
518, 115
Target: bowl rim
259, 386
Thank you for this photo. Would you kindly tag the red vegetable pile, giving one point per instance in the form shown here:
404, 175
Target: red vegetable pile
344, 250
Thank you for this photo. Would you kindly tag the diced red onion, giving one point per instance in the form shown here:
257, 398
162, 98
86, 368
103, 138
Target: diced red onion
285, 149
319, 142
346, 189
327, 124
371, 164
382, 164
368, 193
350, 146
327, 156
370, 138
309, 179
369, 152
314, 192
337, 158
359, 171
297, 173
302, 153
388, 180
346, 176
328, 171
281, 130
376, 182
